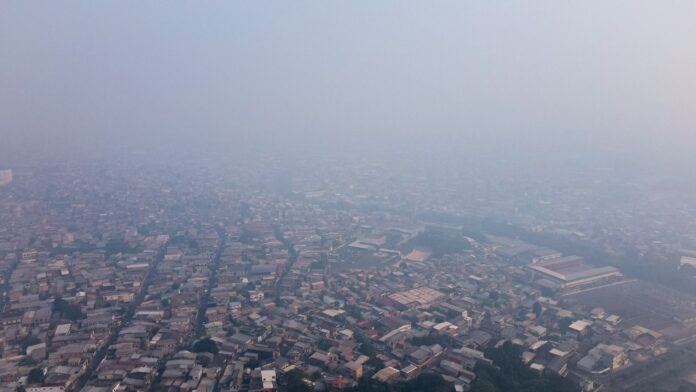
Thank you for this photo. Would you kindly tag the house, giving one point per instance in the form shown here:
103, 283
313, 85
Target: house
322, 359
602, 359
388, 374
353, 369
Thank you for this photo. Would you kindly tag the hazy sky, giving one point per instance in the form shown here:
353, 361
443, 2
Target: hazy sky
616, 75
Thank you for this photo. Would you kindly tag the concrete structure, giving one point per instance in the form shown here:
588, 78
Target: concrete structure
420, 296
569, 271
602, 359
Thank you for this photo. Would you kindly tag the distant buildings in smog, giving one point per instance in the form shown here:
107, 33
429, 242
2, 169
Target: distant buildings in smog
568, 272
5, 177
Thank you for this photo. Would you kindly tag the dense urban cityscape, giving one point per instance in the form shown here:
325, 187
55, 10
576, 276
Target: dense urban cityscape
347, 196
144, 278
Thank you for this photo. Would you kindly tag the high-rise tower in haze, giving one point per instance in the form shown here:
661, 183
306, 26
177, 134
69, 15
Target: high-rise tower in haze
5, 177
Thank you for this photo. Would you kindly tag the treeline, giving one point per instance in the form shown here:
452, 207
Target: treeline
510, 374
441, 242
431, 339
650, 268
68, 310
424, 382
117, 246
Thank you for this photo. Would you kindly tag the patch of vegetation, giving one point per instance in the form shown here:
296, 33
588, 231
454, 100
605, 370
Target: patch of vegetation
321, 263
246, 237
658, 268
27, 361
67, 310
253, 364
294, 381
77, 246
324, 344
494, 295
27, 341
36, 375
117, 246
441, 243
538, 309
425, 382
564, 323
434, 338
367, 348
353, 311
375, 363
205, 345
510, 374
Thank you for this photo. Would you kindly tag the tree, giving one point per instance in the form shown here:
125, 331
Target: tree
510, 374
324, 344
27, 361
203, 359
69, 311
484, 386
375, 363
36, 376
564, 323
494, 295
441, 243
546, 292
367, 348
205, 345
284, 349
537, 309
354, 312
28, 340
316, 376
425, 382
117, 246
294, 381
433, 338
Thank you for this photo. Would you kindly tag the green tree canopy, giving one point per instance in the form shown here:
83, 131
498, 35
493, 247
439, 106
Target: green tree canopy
205, 345
68, 310
36, 376
510, 374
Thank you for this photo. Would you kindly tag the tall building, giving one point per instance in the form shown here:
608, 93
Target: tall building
5, 177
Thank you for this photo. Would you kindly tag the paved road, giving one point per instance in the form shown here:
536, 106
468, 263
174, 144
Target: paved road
292, 258
212, 283
125, 320
6, 280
